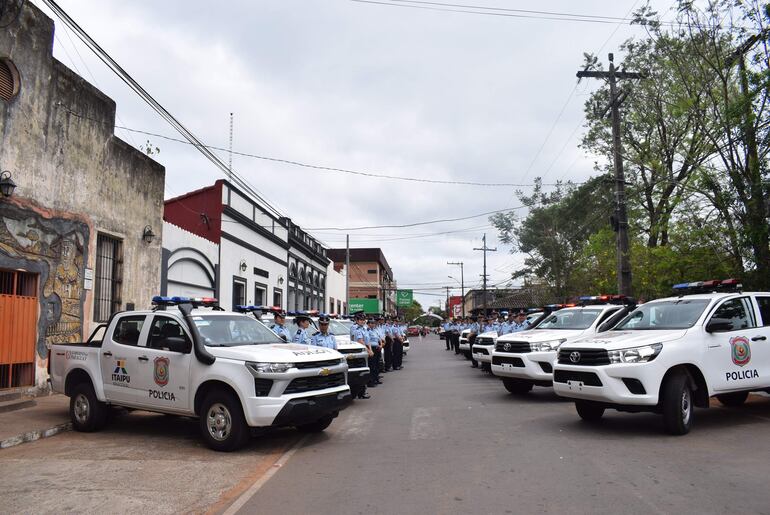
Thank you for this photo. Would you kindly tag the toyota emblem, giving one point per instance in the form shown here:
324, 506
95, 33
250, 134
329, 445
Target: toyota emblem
574, 356
507, 346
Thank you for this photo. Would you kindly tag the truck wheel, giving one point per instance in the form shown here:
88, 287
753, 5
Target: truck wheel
733, 399
318, 426
222, 423
589, 411
88, 413
517, 386
676, 404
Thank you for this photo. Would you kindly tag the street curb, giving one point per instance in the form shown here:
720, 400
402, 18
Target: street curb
31, 436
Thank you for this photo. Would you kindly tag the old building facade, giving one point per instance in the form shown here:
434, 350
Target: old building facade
251, 240
370, 276
307, 271
80, 235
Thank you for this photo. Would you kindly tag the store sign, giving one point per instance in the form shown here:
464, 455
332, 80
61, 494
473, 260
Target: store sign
404, 298
365, 305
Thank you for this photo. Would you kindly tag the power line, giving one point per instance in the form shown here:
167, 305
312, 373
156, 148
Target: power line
486, 11
113, 65
443, 220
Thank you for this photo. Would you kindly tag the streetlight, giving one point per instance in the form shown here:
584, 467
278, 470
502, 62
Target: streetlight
462, 281
6, 184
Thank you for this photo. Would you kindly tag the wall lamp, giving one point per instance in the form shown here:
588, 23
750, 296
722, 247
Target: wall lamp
6, 184
148, 235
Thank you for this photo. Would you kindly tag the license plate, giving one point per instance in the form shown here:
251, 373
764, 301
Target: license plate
575, 385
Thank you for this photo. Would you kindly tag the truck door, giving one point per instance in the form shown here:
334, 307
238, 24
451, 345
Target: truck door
163, 374
120, 362
737, 359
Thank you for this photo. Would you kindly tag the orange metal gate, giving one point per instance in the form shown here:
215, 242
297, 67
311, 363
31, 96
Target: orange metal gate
18, 328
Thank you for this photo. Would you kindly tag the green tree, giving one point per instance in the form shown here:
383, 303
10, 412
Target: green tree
412, 311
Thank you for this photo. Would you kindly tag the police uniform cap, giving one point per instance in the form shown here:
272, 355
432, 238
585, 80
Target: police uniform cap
280, 313
370, 320
359, 315
323, 319
300, 318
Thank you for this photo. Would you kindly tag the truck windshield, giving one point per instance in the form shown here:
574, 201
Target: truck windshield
337, 328
669, 314
570, 319
232, 331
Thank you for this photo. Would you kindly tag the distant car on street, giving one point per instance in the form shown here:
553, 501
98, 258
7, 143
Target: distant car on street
413, 330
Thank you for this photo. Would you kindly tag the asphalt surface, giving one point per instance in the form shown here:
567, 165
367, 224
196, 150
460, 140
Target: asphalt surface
441, 437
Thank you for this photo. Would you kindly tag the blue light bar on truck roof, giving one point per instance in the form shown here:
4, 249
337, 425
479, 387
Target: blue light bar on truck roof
159, 300
707, 286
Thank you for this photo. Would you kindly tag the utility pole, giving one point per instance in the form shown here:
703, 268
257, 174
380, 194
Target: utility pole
462, 282
447, 300
485, 249
620, 220
347, 273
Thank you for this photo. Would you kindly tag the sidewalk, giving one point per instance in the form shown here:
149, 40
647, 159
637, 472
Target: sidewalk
49, 417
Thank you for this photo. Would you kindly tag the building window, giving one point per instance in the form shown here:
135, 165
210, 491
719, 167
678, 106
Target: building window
239, 292
331, 304
260, 294
277, 297
292, 304
108, 277
371, 271
344, 308
339, 307
371, 296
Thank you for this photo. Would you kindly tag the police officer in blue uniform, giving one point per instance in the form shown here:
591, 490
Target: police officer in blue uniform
322, 337
520, 323
278, 326
358, 333
398, 344
302, 336
373, 340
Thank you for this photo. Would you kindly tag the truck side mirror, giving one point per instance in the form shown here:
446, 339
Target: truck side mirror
719, 325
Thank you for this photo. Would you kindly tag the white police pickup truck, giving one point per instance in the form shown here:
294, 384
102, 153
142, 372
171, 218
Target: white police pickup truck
671, 355
524, 359
227, 369
463, 345
482, 348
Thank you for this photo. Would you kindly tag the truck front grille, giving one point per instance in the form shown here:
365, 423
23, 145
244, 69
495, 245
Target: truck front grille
318, 364
505, 360
309, 384
588, 357
517, 347
357, 363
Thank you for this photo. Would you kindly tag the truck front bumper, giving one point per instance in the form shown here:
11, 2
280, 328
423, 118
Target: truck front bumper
309, 409
358, 377
610, 384
264, 411
535, 366
483, 353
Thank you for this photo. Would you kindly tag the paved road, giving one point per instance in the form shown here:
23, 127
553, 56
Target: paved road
441, 437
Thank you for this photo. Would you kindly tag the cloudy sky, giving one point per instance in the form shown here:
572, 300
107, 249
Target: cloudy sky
383, 89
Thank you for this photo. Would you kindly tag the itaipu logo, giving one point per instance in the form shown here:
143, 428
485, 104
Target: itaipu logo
161, 371
120, 374
740, 350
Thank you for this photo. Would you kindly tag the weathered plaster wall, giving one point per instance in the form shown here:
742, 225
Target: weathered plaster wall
72, 172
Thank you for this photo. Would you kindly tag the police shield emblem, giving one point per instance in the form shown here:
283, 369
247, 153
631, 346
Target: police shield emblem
740, 350
161, 371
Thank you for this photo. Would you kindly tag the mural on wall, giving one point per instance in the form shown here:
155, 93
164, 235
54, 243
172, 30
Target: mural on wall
57, 250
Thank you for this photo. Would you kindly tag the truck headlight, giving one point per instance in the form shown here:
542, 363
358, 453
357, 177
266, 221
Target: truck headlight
272, 368
546, 346
635, 354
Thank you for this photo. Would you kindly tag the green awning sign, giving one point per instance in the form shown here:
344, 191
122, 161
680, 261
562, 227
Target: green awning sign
404, 298
365, 305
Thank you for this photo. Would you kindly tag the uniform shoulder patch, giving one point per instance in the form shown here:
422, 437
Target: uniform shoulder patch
316, 333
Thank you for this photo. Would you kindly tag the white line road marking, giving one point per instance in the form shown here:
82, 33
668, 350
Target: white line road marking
259, 483
424, 426
358, 425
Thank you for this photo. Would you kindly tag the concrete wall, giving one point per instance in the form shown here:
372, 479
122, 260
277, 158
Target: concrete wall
335, 289
75, 177
190, 263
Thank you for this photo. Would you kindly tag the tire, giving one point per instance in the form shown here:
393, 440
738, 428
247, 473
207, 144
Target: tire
222, 424
677, 404
88, 413
517, 386
589, 411
733, 399
318, 426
